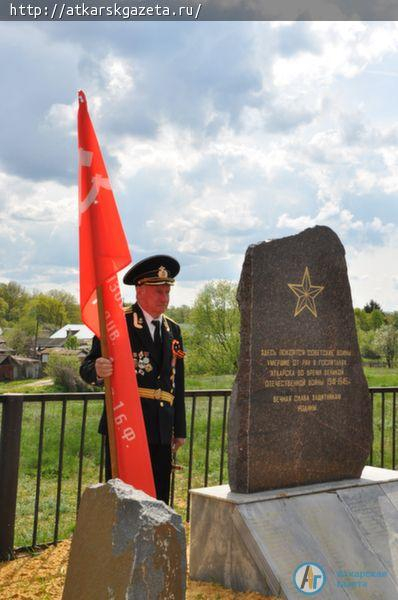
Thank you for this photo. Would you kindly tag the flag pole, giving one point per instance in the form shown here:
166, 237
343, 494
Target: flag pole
107, 384
103, 252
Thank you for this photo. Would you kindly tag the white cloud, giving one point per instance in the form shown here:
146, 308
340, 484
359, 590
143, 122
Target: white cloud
365, 180
344, 50
215, 137
38, 230
297, 223
63, 117
372, 271
118, 73
347, 221
381, 227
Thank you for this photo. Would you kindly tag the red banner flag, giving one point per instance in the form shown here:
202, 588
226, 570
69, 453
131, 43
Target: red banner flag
103, 252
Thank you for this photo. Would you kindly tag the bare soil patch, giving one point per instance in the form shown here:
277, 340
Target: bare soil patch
42, 577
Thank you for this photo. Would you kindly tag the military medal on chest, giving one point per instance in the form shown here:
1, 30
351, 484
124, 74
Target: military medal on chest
142, 362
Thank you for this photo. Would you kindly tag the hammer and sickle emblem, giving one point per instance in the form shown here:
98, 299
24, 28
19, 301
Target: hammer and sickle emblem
98, 182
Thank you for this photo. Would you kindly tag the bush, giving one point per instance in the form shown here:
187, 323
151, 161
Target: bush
64, 369
367, 345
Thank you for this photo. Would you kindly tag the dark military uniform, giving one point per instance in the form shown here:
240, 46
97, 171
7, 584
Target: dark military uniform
160, 377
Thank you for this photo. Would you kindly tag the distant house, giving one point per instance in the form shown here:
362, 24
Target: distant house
19, 367
56, 342
45, 353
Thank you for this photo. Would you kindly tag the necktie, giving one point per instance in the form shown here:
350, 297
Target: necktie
156, 337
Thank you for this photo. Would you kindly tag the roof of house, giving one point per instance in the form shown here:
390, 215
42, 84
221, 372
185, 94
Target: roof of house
24, 359
62, 351
80, 331
20, 360
50, 343
4, 349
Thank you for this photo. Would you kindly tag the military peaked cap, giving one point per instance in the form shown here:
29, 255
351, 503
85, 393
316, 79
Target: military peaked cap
155, 270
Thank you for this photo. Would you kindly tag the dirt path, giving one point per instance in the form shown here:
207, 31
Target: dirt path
42, 578
39, 382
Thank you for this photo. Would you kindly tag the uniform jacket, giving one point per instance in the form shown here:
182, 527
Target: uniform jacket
154, 369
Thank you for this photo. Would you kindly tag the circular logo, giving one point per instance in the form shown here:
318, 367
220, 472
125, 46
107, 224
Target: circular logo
309, 578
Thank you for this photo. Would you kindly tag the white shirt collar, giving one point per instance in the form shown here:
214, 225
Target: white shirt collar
149, 318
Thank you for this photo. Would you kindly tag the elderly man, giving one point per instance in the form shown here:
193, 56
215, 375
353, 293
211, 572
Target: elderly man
156, 345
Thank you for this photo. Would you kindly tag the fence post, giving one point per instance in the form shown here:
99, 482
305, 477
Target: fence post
11, 423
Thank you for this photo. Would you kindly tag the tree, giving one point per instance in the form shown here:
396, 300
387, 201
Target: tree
393, 319
213, 343
19, 339
3, 311
377, 318
362, 319
371, 305
45, 309
180, 314
72, 343
366, 344
70, 304
369, 320
386, 342
16, 298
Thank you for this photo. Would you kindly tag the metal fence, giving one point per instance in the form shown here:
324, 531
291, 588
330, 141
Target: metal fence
50, 450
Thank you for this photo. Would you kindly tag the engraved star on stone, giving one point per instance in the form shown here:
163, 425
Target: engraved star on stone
306, 294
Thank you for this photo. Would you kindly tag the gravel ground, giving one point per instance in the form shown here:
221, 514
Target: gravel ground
42, 577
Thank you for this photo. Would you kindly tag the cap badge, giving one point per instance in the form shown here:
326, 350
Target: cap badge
162, 273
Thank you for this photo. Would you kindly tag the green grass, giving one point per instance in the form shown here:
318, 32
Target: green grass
383, 452
27, 386
209, 382
50, 466
52, 433
382, 377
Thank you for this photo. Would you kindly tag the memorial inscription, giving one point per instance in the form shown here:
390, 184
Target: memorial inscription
309, 368
300, 408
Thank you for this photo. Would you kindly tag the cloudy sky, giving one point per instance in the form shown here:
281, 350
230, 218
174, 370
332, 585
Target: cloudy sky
216, 135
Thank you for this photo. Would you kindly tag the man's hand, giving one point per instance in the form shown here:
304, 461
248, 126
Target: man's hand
104, 367
177, 443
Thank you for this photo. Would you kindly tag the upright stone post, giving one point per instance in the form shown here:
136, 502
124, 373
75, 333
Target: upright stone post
127, 546
300, 408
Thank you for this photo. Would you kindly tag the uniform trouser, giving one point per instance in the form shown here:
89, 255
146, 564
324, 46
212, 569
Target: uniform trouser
161, 468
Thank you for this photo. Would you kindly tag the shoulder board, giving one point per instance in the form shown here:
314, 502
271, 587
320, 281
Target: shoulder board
171, 320
127, 310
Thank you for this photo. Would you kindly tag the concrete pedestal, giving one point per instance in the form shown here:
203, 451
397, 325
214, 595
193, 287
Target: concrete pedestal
256, 541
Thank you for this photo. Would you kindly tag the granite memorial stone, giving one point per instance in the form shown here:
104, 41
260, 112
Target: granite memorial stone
300, 407
126, 546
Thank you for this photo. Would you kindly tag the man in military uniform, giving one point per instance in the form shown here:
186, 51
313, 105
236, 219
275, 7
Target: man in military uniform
158, 356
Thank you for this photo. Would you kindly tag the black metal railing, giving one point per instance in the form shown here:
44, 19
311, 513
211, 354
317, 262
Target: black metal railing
50, 450
384, 410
